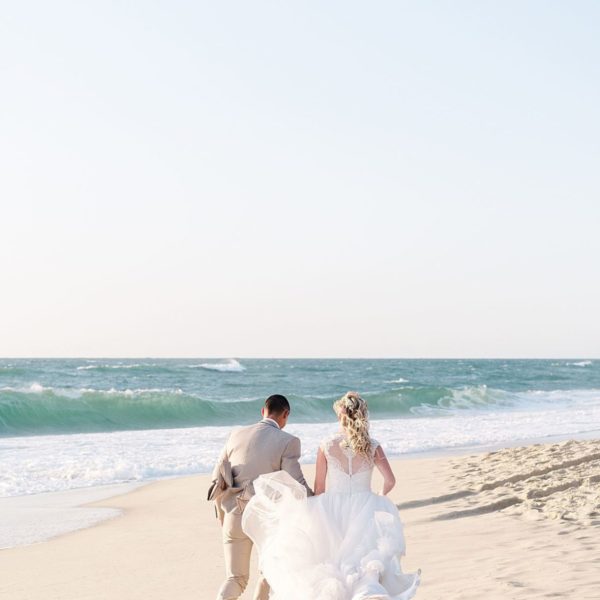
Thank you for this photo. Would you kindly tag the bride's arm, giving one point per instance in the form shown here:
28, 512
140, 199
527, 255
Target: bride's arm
321, 474
382, 464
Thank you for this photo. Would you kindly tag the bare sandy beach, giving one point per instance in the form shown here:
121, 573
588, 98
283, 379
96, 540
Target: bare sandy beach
515, 523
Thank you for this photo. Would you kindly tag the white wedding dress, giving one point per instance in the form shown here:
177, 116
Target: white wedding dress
344, 544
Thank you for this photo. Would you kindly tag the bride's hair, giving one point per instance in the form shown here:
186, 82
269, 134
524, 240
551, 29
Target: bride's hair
353, 414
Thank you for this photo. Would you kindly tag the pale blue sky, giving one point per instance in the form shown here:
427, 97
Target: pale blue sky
300, 179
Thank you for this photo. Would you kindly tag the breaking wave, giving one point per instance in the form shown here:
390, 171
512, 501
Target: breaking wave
39, 410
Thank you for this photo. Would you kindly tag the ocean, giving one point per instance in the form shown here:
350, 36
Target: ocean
77, 423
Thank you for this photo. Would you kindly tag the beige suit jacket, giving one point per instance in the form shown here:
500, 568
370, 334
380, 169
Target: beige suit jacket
256, 450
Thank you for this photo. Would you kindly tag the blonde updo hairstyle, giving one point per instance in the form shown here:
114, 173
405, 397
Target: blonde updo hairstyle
353, 414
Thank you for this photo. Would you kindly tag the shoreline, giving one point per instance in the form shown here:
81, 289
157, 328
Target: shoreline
37, 518
60, 513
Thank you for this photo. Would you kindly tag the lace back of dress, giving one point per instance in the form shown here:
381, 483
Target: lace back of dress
346, 470
340, 455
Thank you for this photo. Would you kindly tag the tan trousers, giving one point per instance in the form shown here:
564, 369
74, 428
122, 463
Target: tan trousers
238, 547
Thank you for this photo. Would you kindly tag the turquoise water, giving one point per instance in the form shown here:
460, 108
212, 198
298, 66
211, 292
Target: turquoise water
77, 423
72, 396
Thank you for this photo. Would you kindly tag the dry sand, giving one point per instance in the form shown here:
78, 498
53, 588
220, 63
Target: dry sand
516, 523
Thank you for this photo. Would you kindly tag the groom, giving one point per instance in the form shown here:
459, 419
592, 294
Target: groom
249, 452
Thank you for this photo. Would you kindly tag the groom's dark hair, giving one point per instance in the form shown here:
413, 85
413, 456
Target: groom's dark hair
277, 404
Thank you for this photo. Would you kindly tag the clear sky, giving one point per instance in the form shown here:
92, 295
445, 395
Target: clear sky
405, 179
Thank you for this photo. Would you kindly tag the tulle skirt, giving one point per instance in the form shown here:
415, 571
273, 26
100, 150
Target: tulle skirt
328, 547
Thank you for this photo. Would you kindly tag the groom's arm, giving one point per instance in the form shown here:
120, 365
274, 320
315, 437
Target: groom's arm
289, 463
217, 467
218, 482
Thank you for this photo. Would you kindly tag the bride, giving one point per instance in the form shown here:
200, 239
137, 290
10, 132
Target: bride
344, 543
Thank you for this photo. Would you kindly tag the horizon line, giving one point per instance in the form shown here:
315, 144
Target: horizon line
140, 357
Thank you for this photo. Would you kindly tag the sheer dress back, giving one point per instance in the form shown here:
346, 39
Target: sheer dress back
347, 472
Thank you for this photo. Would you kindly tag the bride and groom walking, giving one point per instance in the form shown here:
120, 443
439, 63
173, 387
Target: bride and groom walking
342, 542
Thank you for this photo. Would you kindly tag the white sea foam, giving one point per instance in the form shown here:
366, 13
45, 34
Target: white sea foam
399, 380
34, 388
232, 365
38, 464
581, 363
